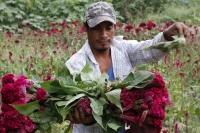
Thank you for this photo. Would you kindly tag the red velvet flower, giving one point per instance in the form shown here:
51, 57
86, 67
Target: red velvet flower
14, 121
21, 82
2, 129
84, 104
150, 25
142, 24
41, 94
119, 24
157, 81
127, 99
129, 117
8, 78
137, 30
10, 93
48, 78
6, 107
128, 27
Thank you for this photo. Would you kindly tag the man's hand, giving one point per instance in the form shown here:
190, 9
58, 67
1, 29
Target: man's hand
80, 118
174, 29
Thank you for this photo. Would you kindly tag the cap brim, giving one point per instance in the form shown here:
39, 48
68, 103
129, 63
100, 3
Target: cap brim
95, 21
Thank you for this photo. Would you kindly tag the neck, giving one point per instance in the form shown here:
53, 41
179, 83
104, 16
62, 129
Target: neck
104, 60
102, 54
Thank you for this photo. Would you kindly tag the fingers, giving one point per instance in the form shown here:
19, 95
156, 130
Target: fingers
182, 28
186, 31
79, 117
174, 29
89, 119
71, 118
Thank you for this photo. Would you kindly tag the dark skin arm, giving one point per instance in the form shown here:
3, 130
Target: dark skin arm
174, 29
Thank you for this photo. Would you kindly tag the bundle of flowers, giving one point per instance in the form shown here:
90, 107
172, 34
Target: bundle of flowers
146, 105
138, 99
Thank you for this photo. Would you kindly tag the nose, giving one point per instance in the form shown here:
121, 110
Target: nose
103, 33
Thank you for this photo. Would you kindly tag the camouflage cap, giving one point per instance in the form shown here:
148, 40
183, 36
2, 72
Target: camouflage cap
99, 12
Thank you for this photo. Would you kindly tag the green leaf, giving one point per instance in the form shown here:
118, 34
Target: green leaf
36, 79
54, 99
66, 80
139, 79
27, 109
50, 86
87, 83
166, 47
96, 106
129, 78
68, 129
116, 124
72, 90
175, 37
192, 108
45, 127
142, 78
66, 103
18, 16
114, 97
98, 119
141, 85
42, 117
2, 6
197, 111
126, 81
103, 78
63, 112
64, 72
87, 73
103, 101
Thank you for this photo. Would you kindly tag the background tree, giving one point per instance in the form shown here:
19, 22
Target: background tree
132, 9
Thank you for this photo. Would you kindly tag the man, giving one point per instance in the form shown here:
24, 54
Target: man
106, 53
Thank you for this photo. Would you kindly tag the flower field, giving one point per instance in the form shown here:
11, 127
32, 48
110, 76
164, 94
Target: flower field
43, 53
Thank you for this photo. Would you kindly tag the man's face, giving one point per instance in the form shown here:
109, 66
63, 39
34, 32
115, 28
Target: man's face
101, 36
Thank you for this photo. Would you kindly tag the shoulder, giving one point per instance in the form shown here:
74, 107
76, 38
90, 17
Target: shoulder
76, 62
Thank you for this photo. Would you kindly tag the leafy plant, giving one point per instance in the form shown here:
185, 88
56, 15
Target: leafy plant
138, 9
39, 12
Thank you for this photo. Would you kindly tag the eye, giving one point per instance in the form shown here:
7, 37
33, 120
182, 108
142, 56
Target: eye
109, 28
96, 28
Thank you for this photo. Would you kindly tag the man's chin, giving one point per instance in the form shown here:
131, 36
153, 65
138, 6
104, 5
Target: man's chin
102, 49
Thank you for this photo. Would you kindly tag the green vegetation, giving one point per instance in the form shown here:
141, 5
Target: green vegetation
39, 12
15, 13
